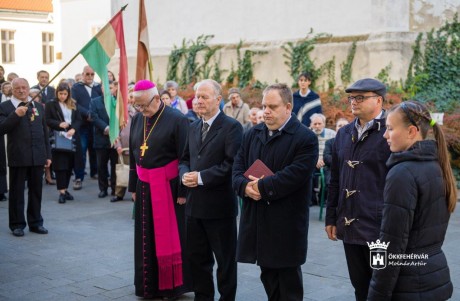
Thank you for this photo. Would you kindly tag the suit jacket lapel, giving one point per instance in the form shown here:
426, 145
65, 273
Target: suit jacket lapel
216, 125
59, 111
197, 133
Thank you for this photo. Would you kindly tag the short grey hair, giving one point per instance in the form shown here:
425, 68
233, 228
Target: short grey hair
318, 115
215, 86
171, 84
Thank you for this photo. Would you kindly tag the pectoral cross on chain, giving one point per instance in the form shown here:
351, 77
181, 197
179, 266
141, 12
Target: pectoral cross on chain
143, 148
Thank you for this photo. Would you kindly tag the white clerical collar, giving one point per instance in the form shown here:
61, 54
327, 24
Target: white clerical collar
211, 120
16, 101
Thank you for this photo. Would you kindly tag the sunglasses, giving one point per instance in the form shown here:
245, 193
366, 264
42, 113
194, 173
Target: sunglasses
88, 74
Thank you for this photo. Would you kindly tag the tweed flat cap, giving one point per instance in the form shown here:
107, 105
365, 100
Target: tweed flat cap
234, 90
368, 85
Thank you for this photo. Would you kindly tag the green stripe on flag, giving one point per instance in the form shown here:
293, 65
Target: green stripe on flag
98, 59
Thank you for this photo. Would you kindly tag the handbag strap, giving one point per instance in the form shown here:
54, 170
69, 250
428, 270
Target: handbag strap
120, 156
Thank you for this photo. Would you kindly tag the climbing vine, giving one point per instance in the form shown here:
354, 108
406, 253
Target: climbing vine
298, 58
346, 67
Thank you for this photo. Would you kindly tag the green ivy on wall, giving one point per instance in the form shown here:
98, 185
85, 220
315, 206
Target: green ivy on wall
433, 76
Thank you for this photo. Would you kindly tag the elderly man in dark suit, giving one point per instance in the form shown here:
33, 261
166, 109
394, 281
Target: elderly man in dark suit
104, 149
274, 217
49, 93
211, 208
28, 151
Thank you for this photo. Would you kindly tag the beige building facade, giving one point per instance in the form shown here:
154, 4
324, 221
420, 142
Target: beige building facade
384, 30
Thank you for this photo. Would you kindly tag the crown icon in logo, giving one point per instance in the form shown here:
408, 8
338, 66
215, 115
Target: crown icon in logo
378, 245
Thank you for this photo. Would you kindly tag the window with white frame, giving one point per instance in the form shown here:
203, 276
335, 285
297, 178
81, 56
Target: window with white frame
7, 46
48, 47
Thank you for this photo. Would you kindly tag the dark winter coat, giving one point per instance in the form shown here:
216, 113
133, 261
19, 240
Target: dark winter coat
415, 219
64, 160
359, 167
273, 231
101, 121
327, 158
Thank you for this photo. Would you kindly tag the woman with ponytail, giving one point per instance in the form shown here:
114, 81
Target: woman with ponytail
419, 196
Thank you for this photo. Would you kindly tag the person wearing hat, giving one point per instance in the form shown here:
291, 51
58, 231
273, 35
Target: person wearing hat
236, 108
358, 171
157, 140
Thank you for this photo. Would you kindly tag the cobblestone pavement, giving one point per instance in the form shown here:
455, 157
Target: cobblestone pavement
88, 255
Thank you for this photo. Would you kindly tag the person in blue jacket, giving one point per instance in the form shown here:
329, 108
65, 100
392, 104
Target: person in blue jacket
420, 194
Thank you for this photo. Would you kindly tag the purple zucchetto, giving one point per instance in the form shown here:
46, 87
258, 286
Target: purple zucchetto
144, 85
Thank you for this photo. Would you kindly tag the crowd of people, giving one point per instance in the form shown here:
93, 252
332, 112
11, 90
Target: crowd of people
387, 177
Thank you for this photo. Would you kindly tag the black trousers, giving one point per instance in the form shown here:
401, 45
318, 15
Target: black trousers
359, 268
103, 157
284, 284
63, 178
18, 176
206, 237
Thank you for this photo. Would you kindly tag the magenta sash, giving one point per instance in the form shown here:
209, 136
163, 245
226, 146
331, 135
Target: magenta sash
167, 241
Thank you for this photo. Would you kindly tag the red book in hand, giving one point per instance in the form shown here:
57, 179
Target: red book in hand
259, 170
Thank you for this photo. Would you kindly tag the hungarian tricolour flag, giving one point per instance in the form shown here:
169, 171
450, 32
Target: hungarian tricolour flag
98, 52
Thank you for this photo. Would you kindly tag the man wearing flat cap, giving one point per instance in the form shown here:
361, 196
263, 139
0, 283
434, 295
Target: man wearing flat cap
358, 171
236, 108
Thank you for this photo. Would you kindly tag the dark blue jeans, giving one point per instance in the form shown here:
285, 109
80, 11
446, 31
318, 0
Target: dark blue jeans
86, 139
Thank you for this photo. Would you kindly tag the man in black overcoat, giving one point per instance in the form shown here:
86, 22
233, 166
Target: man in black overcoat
28, 152
274, 217
211, 208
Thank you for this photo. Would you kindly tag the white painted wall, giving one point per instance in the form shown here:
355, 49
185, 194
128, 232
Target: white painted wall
28, 45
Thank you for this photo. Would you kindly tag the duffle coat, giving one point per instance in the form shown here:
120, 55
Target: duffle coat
358, 172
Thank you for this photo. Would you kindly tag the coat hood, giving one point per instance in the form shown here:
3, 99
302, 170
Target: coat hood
425, 150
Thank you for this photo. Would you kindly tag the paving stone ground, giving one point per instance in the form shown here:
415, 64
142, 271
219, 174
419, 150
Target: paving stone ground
88, 255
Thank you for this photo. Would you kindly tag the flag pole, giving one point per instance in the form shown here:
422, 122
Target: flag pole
72, 59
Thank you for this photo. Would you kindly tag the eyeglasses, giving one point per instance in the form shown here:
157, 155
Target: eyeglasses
360, 98
89, 74
407, 112
142, 107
